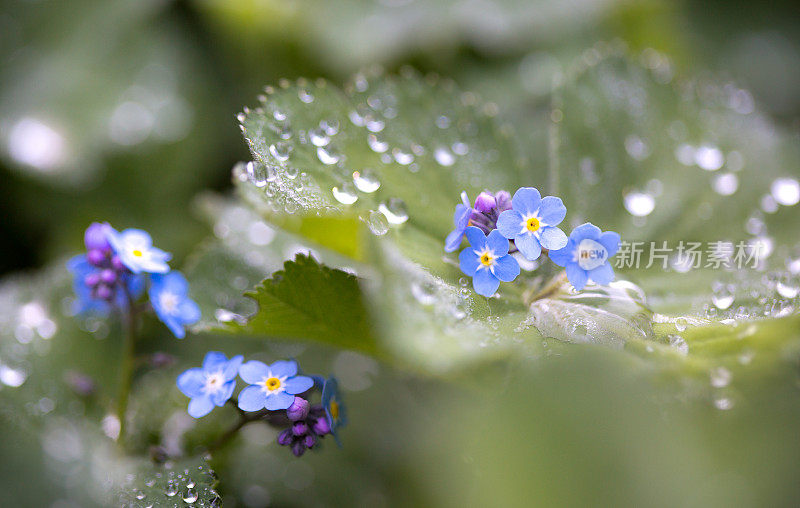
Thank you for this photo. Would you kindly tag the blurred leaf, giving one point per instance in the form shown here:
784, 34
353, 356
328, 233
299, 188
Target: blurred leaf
353, 33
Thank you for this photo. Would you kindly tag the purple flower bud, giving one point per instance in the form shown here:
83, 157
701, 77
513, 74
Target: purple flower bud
298, 448
103, 292
298, 410
116, 264
503, 199
95, 237
95, 257
285, 437
321, 426
80, 383
92, 280
310, 440
160, 360
485, 202
299, 428
108, 276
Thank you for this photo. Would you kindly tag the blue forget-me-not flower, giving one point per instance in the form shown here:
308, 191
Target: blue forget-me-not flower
531, 222
210, 385
586, 255
487, 261
335, 409
271, 386
135, 249
169, 296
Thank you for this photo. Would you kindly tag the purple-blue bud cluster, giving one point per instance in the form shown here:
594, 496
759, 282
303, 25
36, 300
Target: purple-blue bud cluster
117, 267
309, 425
109, 273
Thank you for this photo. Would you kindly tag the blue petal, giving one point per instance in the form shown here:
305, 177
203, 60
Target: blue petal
562, 257
298, 384
78, 265
610, 240
189, 312
252, 398
577, 276
173, 282
553, 238
232, 367
253, 372
224, 394
132, 235
280, 400
329, 390
453, 240
497, 243
485, 283
526, 200
461, 216
510, 224
191, 382
552, 210
602, 275
174, 324
475, 237
584, 231
200, 406
468, 261
529, 246
506, 269
214, 361
282, 368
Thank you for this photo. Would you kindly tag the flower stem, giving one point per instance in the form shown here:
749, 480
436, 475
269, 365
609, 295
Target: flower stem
264, 415
129, 318
551, 288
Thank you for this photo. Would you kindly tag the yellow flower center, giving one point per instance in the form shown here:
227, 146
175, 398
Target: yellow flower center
487, 259
533, 224
334, 410
137, 253
272, 383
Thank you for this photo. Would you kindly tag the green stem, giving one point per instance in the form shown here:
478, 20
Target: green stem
264, 415
551, 288
128, 362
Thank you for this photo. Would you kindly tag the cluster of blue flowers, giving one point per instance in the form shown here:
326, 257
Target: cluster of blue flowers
115, 271
499, 226
275, 393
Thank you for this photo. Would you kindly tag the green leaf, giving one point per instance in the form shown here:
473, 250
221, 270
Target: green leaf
395, 151
307, 300
175, 484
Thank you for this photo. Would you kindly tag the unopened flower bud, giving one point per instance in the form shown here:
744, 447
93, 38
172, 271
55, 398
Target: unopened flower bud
92, 280
299, 428
321, 426
298, 410
95, 257
95, 237
298, 448
310, 440
117, 264
103, 292
108, 276
503, 200
161, 360
285, 437
485, 202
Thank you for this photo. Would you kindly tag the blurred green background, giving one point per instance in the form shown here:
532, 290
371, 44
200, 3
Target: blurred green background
125, 111
139, 98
